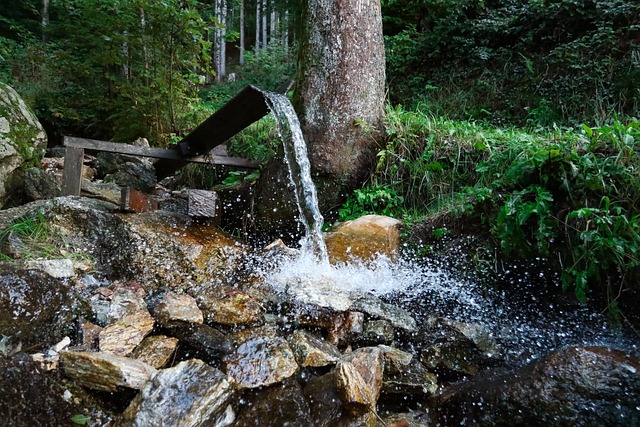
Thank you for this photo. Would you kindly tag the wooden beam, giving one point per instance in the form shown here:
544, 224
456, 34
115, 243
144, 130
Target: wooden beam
72, 173
158, 153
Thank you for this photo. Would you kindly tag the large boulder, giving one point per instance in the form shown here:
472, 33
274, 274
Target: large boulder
594, 386
22, 139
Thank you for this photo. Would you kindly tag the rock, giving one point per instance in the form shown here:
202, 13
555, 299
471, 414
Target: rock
127, 171
38, 185
311, 350
323, 292
178, 307
279, 405
206, 342
22, 139
261, 362
122, 337
234, 308
156, 351
105, 371
324, 401
58, 268
90, 336
344, 327
107, 191
191, 394
359, 379
364, 238
377, 332
409, 419
479, 334
37, 309
377, 308
31, 397
575, 386
124, 299
405, 375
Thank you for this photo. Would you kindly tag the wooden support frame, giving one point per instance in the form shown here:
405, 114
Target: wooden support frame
74, 153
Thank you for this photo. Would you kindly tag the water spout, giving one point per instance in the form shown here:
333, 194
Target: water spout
295, 154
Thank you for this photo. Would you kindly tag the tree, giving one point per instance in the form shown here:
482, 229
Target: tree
339, 96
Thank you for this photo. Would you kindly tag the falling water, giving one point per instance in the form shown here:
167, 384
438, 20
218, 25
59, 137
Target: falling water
295, 154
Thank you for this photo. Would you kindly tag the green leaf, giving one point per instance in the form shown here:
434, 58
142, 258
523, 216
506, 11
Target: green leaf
80, 419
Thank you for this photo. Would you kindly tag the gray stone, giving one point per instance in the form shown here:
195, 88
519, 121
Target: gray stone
191, 394
58, 268
208, 343
375, 307
377, 332
261, 362
38, 184
405, 375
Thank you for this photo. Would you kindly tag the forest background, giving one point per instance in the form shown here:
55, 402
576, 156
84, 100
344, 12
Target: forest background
516, 120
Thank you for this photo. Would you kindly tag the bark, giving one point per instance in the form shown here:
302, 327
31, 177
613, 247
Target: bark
257, 26
264, 24
241, 59
339, 97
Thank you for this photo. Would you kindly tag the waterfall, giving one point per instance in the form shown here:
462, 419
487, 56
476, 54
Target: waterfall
295, 154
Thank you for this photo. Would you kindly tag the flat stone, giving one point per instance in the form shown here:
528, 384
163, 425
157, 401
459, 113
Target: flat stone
261, 362
122, 337
208, 342
311, 350
377, 332
359, 378
375, 307
58, 268
156, 351
405, 375
180, 307
190, 394
105, 371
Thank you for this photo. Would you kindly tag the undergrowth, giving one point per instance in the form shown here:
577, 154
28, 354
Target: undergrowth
570, 192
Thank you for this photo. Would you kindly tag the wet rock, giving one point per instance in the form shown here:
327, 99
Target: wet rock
575, 386
364, 238
156, 351
107, 191
344, 326
359, 378
477, 333
261, 362
90, 336
22, 139
312, 350
377, 332
409, 419
190, 394
405, 375
233, 308
122, 337
127, 171
309, 315
35, 308
49, 360
31, 397
207, 342
324, 400
377, 308
105, 371
278, 405
124, 299
178, 307
39, 185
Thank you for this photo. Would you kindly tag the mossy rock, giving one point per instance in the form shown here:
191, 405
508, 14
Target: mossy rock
22, 139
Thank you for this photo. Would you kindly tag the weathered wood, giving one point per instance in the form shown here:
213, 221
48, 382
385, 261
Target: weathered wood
203, 203
72, 174
133, 200
245, 108
158, 153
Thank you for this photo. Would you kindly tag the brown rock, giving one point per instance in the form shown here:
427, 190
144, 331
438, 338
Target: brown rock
123, 336
344, 326
235, 308
311, 350
105, 371
359, 378
156, 351
364, 238
179, 307
90, 336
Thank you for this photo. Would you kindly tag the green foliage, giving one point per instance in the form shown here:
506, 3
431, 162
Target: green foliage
534, 63
574, 193
32, 236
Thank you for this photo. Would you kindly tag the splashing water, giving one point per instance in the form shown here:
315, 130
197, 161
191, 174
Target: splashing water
422, 287
295, 154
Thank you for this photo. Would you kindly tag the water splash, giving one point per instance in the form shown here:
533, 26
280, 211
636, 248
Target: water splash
295, 154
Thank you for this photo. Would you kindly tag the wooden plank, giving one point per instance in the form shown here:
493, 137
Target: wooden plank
158, 153
72, 173
245, 108
203, 204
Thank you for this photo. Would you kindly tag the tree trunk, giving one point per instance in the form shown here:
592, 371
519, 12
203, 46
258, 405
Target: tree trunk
257, 26
264, 24
339, 97
223, 36
45, 20
241, 59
